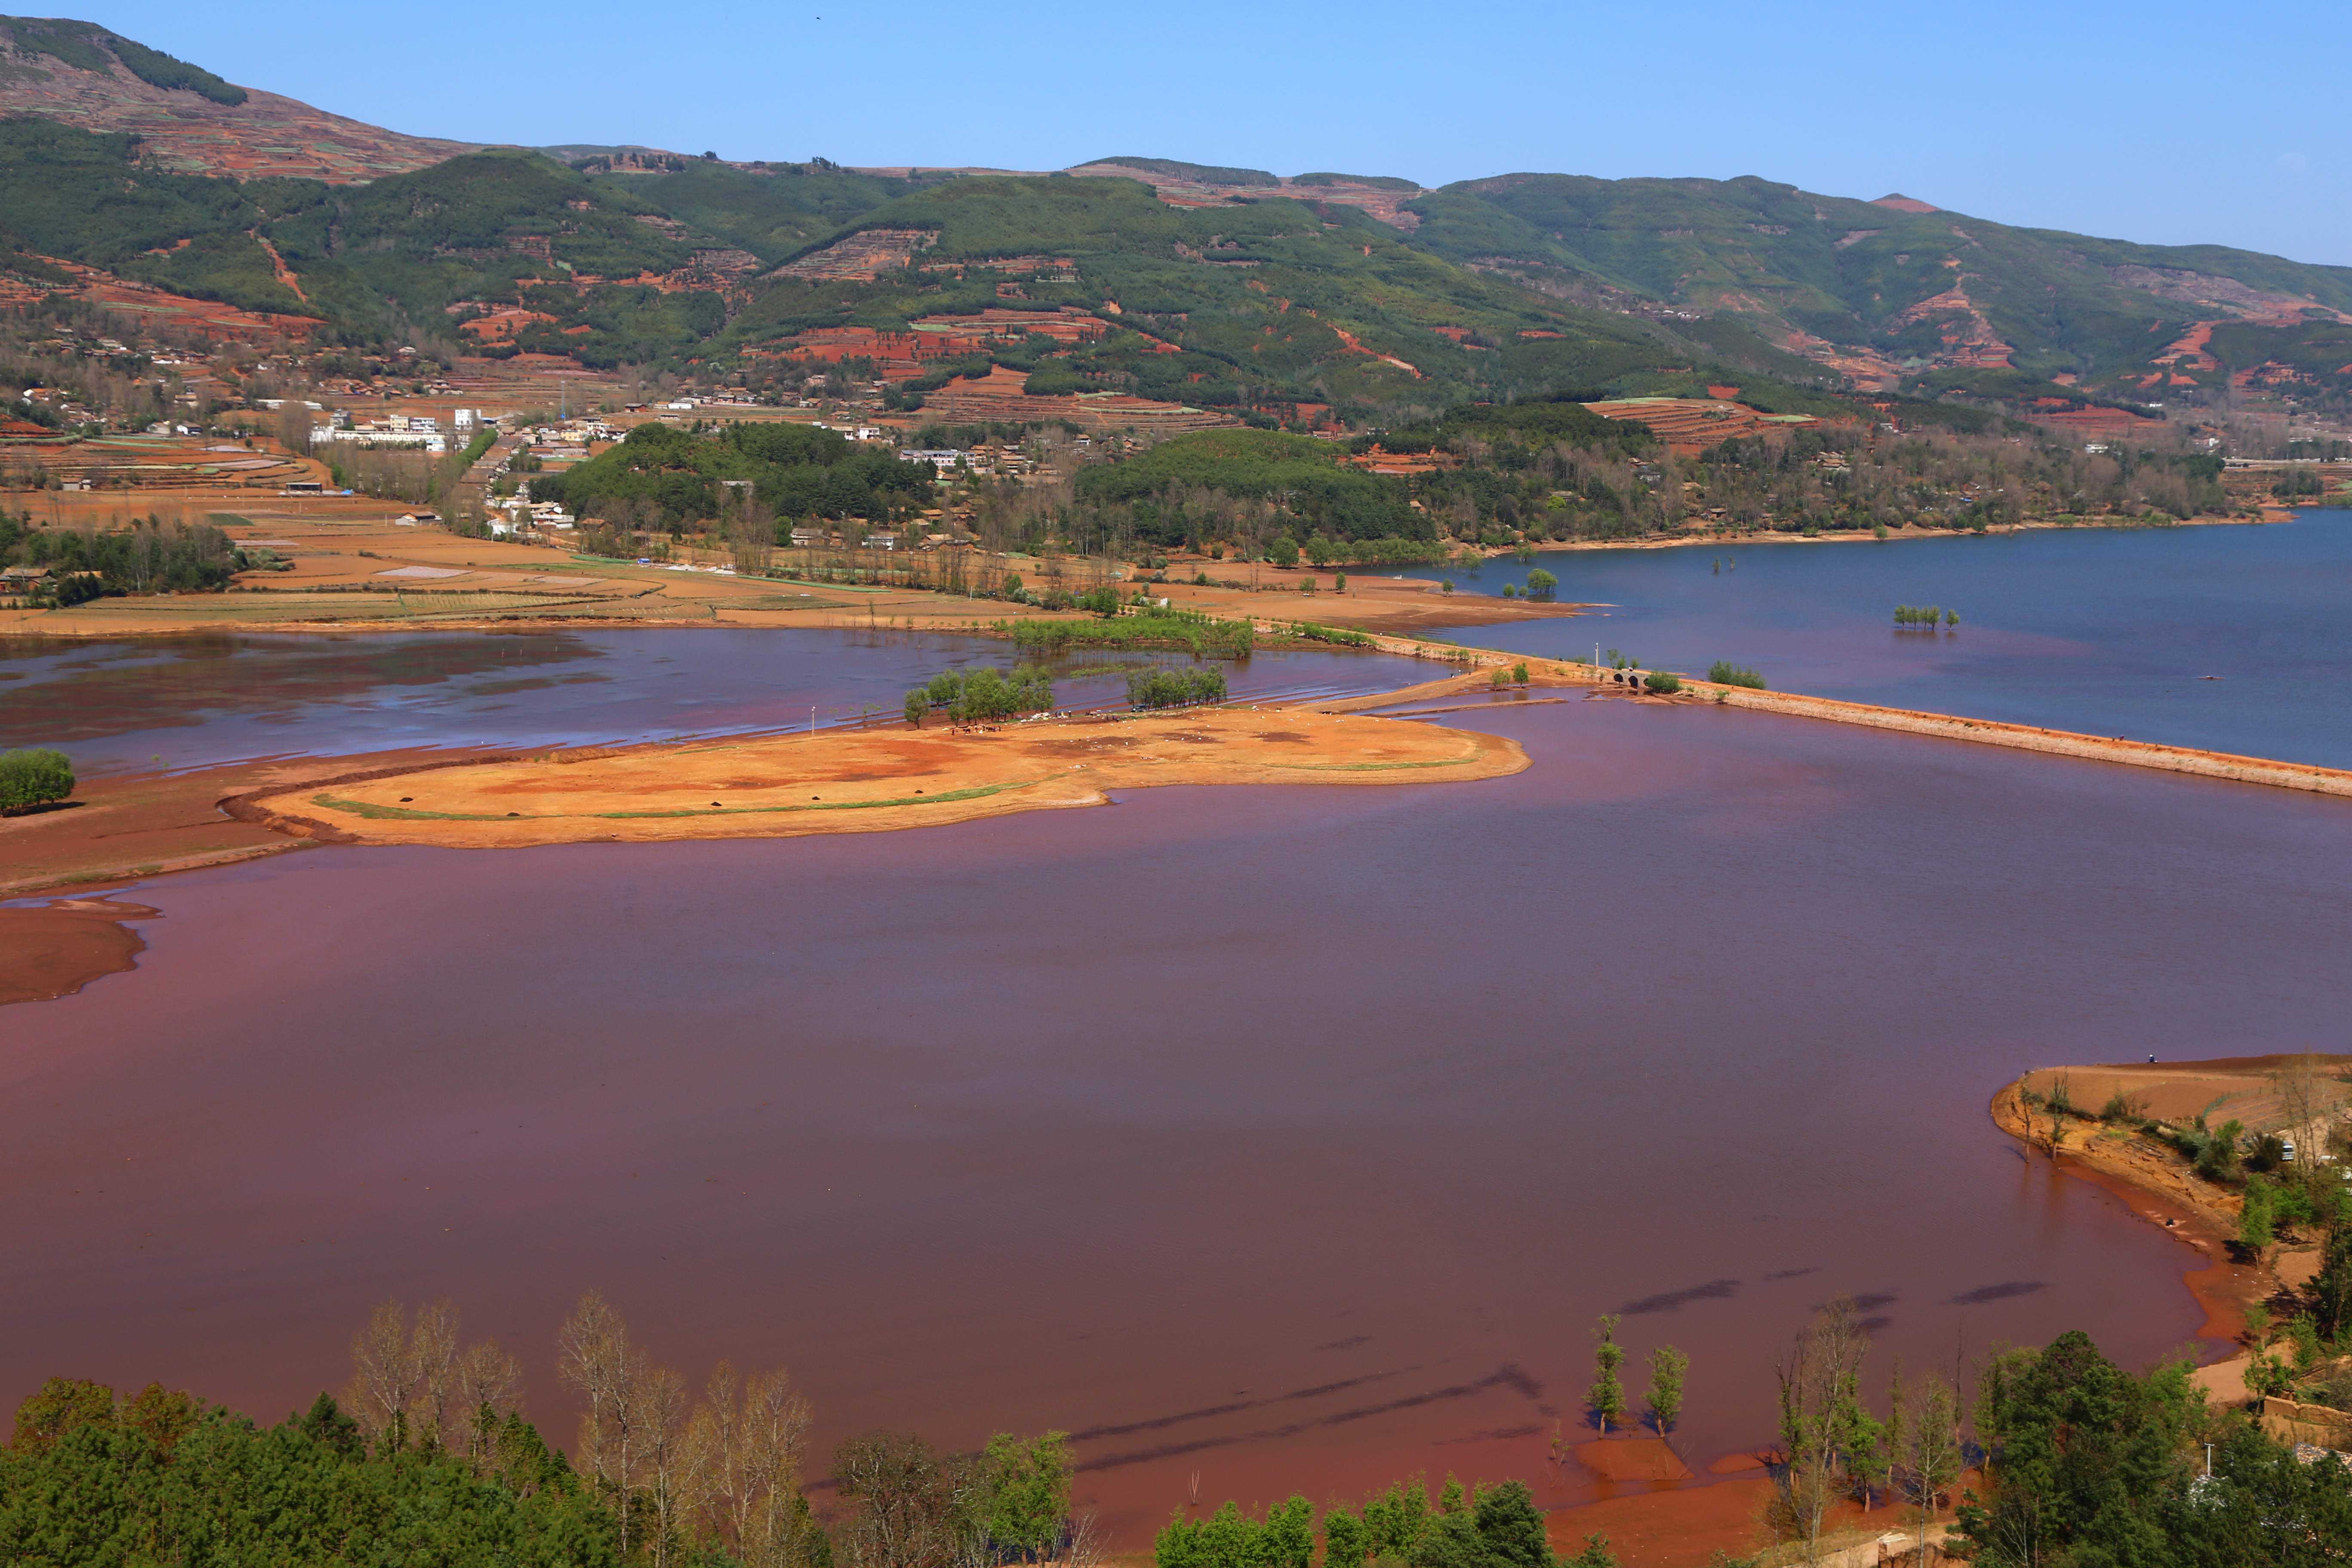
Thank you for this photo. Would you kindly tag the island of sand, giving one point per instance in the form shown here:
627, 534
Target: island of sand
867, 781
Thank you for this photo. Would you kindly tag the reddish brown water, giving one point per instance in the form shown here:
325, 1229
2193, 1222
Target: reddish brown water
1292, 1137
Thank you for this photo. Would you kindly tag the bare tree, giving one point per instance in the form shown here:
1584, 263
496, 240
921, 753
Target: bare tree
745, 1449
383, 1375
1819, 1376
594, 1358
2308, 1096
659, 1404
916, 1508
1929, 1448
409, 1384
432, 1352
489, 1389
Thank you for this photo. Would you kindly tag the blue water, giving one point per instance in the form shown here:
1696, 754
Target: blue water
2107, 631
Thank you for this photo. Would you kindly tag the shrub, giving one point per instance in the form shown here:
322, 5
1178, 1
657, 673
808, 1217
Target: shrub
1199, 634
984, 693
1307, 631
1520, 673
1722, 672
36, 777
1175, 688
1658, 680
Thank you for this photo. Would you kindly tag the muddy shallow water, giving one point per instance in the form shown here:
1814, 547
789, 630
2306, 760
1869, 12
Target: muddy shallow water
1289, 1136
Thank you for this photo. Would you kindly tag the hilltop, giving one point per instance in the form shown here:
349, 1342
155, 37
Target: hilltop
189, 119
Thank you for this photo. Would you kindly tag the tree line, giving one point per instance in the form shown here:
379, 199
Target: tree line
662, 478
2056, 1457
427, 1459
149, 557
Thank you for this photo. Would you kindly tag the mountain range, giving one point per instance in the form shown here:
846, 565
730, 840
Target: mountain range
1217, 287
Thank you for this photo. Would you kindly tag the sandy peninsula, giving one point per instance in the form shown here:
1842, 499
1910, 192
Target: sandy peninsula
867, 781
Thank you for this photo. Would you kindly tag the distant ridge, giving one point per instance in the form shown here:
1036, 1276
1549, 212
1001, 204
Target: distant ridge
1198, 173
1897, 202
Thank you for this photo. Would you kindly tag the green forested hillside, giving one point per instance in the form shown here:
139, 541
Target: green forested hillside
366, 256
1277, 300
770, 212
1858, 273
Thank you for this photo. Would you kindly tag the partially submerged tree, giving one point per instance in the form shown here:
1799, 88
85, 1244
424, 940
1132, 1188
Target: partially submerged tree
1606, 1397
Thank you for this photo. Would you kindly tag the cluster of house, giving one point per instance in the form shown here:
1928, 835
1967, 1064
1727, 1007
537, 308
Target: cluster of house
570, 432
520, 517
418, 430
826, 536
1008, 460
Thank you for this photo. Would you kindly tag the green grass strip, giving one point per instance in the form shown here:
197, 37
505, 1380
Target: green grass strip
1371, 767
400, 814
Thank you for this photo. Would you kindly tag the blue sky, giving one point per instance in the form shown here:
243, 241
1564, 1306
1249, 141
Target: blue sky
2161, 121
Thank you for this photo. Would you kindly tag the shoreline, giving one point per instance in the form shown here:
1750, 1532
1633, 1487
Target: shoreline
2154, 1182
1865, 536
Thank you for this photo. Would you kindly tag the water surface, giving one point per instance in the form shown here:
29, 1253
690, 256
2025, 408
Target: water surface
2107, 631
125, 704
1292, 1137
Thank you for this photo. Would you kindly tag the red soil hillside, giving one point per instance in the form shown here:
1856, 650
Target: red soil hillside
1000, 396
1691, 424
144, 302
264, 135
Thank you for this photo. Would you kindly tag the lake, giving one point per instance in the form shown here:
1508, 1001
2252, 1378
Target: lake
2108, 631
1291, 1138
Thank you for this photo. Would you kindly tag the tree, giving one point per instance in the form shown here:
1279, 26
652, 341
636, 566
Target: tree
1816, 1375
1928, 1447
918, 703
34, 776
1511, 1527
915, 1508
2084, 1459
61, 1405
1028, 1492
1606, 1397
1283, 551
1396, 1518
2331, 1287
1345, 1539
594, 1358
2255, 1230
411, 1387
1667, 1366
744, 1452
1541, 584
